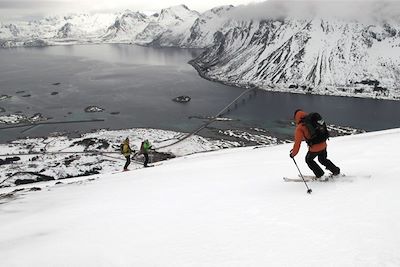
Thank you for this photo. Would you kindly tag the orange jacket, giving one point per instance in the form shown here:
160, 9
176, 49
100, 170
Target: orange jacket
301, 133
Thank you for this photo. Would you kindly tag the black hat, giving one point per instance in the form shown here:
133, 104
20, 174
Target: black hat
297, 110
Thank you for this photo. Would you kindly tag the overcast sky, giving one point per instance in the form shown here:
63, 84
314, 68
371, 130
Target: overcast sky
366, 11
255, 9
25, 9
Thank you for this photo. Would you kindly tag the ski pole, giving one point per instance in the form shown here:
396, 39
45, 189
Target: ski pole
134, 155
308, 189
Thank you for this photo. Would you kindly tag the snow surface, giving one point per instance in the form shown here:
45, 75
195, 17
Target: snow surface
224, 208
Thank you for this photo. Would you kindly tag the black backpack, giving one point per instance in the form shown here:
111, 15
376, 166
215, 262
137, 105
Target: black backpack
316, 127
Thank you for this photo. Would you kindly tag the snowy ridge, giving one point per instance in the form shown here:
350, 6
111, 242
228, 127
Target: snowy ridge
216, 209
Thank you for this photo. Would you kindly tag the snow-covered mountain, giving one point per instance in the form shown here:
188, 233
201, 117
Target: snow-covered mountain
127, 26
201, 33
215, 209
56, 30
82, 26
9, 31
169, 28
311, 56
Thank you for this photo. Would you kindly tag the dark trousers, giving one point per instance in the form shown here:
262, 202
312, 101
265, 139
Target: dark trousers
322, 158
146, 159
128, 161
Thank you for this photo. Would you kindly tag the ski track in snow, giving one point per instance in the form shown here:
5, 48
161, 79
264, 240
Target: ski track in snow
224, 208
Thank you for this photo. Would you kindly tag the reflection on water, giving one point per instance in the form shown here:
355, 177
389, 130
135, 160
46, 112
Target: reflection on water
135, 87
130, 54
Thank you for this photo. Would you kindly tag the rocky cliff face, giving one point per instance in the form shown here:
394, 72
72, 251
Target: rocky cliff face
65, 31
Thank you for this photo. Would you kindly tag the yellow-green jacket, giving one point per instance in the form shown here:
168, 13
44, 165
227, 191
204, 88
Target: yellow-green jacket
126, 149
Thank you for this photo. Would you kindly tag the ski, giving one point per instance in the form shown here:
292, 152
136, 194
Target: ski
311, 178
330, 178
308, 179
138, 168
154, 164
288, 179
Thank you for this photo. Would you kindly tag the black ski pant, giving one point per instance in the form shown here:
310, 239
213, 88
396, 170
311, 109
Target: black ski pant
128, 161
146, 159
322, 158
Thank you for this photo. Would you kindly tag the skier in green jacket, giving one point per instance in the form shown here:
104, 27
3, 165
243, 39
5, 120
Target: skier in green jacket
144, 149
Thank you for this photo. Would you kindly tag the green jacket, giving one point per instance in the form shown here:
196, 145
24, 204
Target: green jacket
145, 147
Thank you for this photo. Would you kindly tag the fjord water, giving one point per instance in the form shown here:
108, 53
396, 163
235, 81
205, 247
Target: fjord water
135, 86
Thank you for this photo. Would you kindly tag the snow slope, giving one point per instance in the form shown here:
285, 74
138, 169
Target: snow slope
225, 208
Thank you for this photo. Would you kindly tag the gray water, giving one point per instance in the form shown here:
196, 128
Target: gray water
135, 86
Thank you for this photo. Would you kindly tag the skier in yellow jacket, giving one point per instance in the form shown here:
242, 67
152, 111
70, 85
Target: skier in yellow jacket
126, 151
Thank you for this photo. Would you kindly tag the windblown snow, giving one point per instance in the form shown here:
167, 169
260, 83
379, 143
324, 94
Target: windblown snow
224, 208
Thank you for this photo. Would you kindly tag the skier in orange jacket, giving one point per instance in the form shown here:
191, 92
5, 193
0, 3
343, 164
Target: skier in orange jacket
315, 150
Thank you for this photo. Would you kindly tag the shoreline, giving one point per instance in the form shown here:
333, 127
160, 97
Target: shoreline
280, 89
